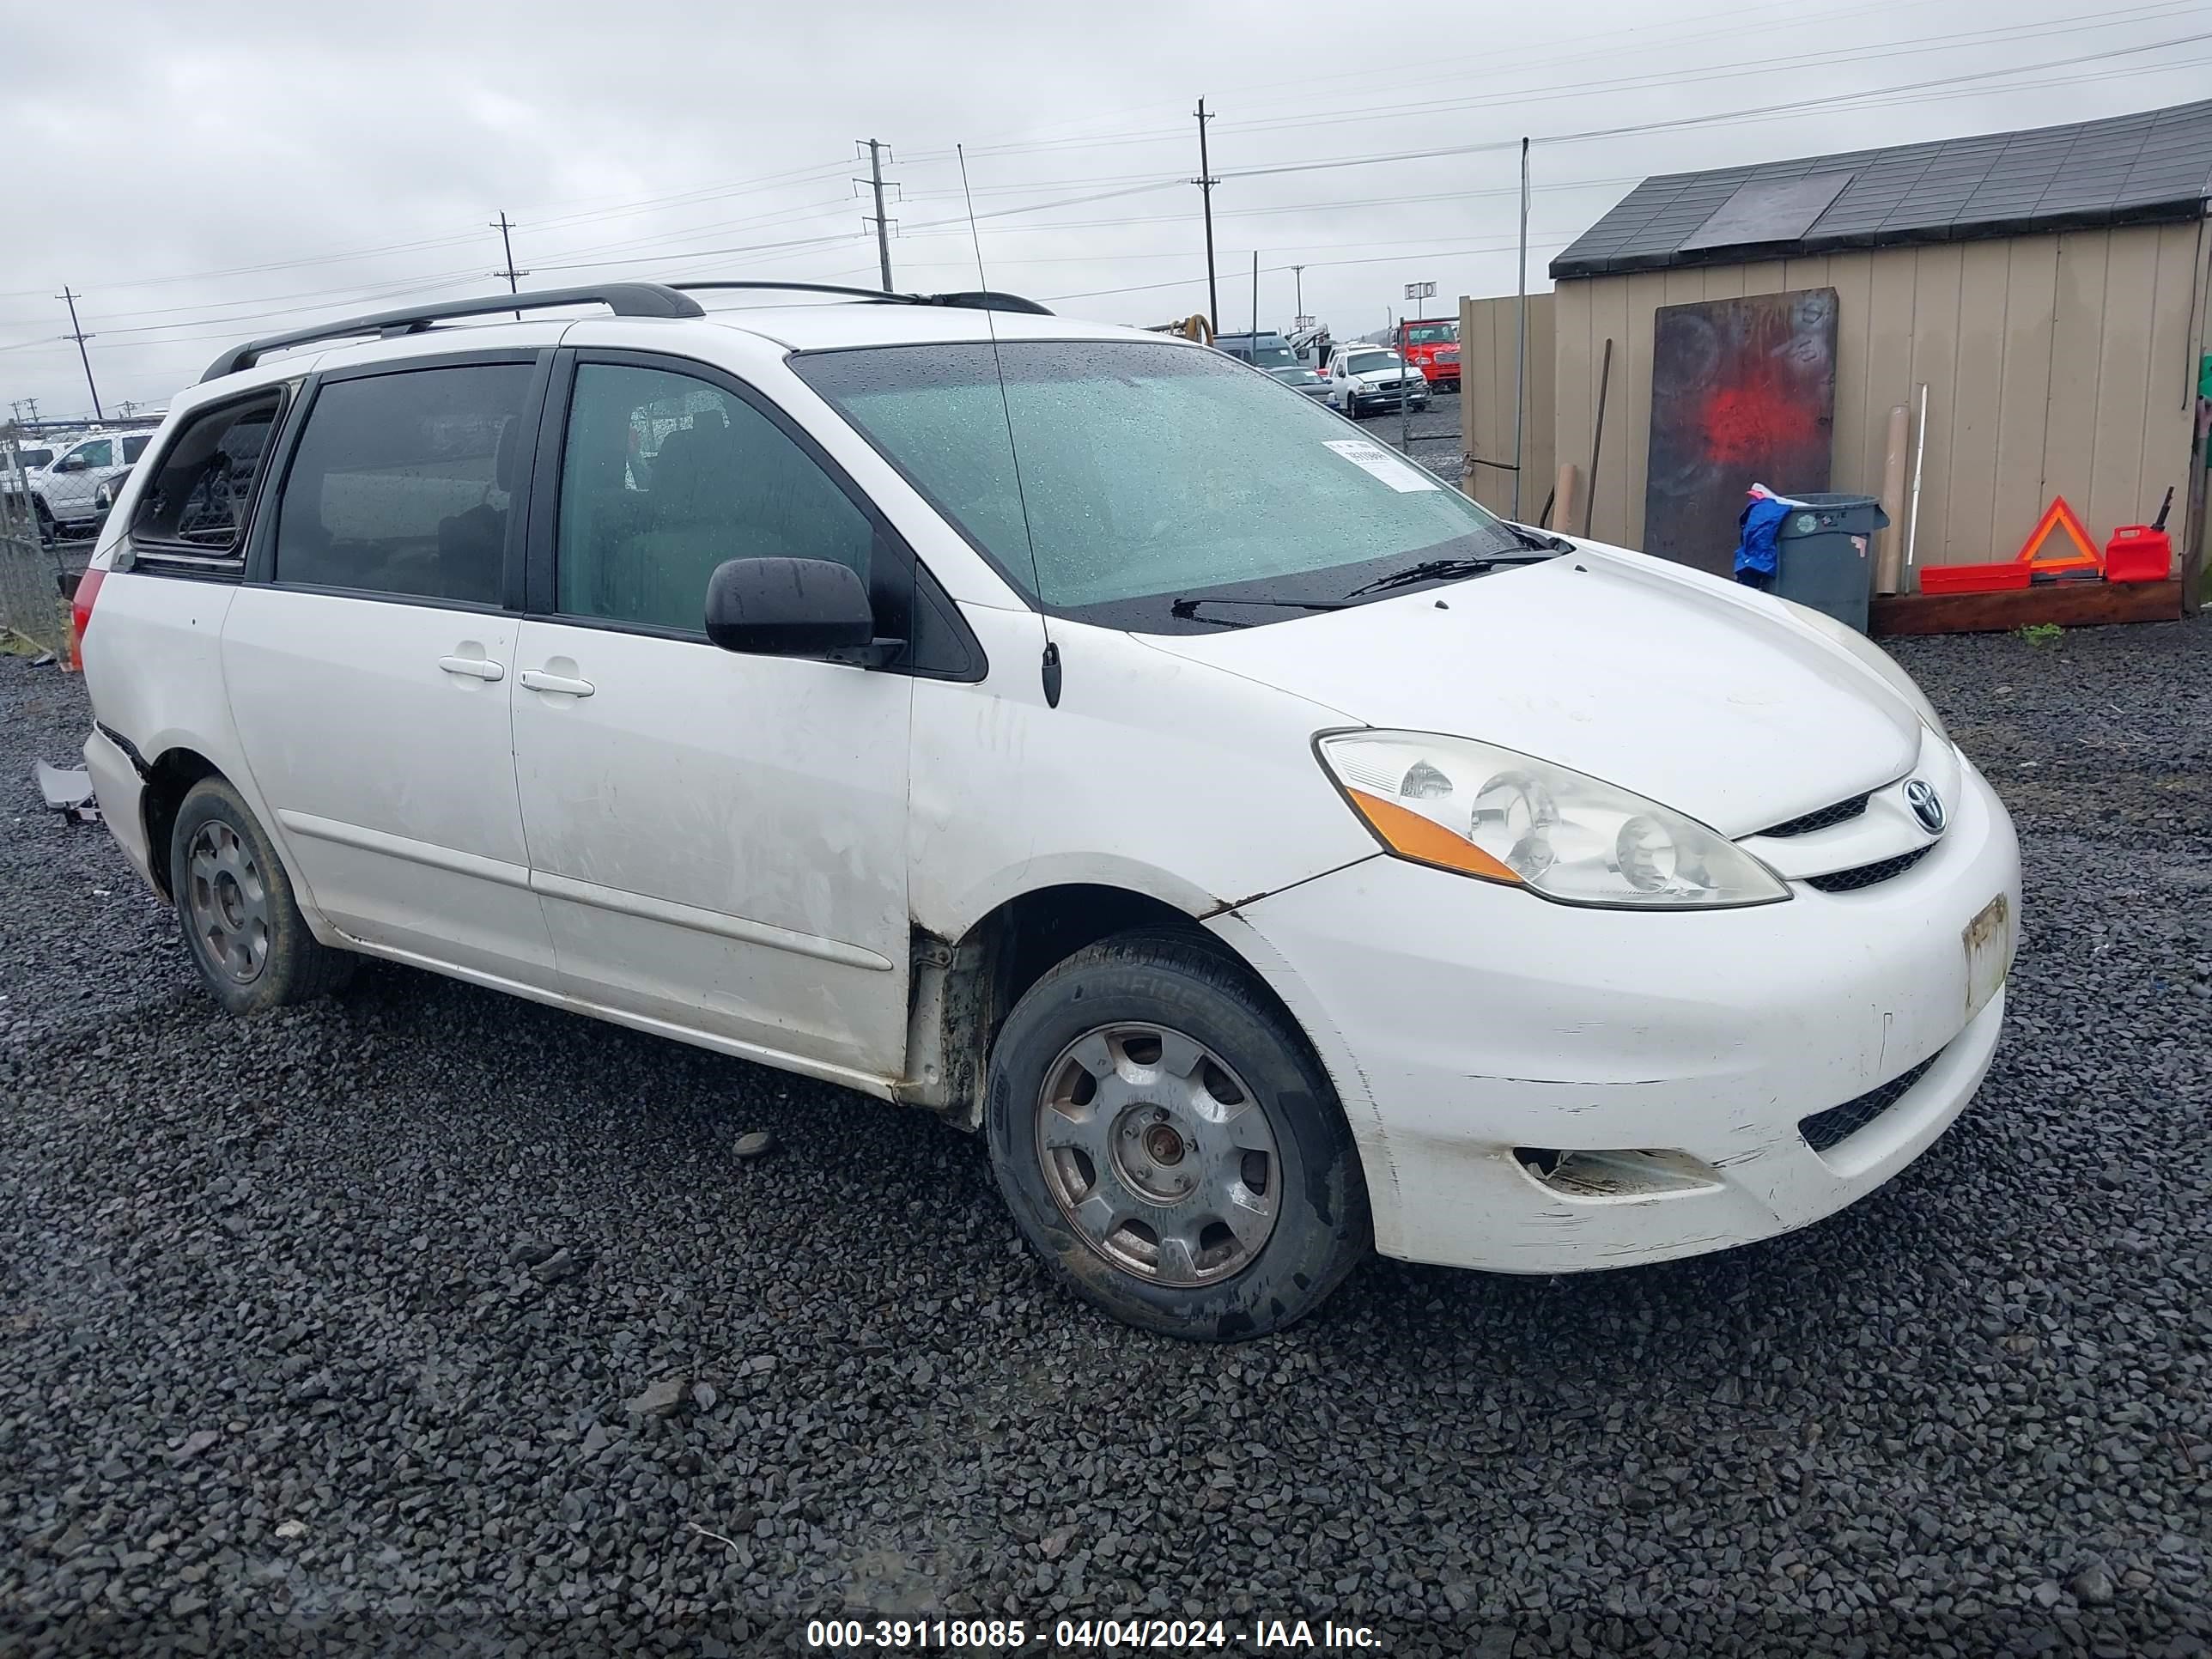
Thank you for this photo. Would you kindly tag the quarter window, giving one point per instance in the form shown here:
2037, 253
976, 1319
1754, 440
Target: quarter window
406, 483
665, 476
198, 494
133, 448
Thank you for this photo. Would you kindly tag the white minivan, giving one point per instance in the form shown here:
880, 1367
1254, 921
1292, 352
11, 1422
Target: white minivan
1069, 731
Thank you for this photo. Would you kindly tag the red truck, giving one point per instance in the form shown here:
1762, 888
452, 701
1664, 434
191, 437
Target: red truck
1432, 344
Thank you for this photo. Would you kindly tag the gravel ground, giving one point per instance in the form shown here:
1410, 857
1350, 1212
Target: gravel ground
285, 1355
1436, 436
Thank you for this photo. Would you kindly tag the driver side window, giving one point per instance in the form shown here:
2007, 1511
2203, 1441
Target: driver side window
664, 477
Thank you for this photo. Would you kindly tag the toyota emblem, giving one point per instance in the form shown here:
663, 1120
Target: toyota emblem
1927, 805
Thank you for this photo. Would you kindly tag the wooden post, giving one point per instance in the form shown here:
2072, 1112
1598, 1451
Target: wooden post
1597, 437
1889, 544
1563, 496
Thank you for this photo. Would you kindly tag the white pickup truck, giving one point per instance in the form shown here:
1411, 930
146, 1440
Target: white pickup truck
63, 491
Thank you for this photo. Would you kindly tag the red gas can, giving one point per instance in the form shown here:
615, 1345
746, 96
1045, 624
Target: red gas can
2138, 553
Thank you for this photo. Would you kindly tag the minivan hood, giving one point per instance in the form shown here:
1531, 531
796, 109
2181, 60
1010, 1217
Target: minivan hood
1695, 693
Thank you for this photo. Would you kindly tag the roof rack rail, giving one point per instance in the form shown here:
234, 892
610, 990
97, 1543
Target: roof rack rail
971, 300
623, 299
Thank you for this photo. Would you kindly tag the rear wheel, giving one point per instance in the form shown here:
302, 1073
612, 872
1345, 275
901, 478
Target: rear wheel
1166, 1141
235, 904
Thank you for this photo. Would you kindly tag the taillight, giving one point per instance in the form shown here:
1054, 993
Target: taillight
87, 590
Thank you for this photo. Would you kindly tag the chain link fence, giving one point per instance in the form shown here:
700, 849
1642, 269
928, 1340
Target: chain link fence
35, 573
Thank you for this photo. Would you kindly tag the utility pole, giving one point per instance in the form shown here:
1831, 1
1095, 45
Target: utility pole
506, 245
1256, 302
1298, 277
875, 149
77, 333
124, 408
1206, 181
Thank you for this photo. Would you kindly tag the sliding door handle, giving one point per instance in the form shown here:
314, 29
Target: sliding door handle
476, 668
537, 679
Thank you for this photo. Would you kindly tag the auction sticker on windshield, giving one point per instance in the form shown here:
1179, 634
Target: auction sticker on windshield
1400, 475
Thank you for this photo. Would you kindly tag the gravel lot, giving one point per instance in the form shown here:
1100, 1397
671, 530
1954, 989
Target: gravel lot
276, 1359
1436, 436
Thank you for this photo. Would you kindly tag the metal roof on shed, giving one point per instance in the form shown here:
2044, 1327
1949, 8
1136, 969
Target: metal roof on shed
2131, 169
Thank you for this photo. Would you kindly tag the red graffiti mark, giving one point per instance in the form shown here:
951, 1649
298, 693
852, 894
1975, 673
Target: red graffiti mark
1755, 418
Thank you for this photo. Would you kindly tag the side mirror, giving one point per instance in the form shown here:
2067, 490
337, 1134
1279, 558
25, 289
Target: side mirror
794, 608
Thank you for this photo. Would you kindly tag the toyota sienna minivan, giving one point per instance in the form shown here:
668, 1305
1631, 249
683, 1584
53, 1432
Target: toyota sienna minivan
1068, 731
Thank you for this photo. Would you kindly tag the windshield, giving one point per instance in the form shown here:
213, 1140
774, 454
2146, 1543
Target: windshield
1431, 333
1300, 375
1152, 473
1368, 362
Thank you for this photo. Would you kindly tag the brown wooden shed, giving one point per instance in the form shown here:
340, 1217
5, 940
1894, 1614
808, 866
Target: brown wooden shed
2049, 289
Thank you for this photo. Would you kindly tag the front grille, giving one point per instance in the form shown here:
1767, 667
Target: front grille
1867, 875
1827, 818
1825, 1130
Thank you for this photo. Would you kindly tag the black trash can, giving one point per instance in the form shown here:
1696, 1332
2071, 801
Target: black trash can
1823, 558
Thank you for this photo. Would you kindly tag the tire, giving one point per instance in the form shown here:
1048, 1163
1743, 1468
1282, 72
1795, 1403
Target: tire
1214, 1105
236, 909
48, 533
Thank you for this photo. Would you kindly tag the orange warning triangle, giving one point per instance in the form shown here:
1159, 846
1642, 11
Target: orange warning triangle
2037, 551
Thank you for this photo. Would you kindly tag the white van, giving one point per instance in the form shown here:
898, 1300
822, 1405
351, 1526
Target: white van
1066, 731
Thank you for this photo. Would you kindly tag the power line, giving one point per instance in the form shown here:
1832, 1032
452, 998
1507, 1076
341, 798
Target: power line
1393, 256
1867, 98
1677, 122
378, 250
1645, 81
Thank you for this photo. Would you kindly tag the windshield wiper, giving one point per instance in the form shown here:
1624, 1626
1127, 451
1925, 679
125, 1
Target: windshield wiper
1187, 609
1447, 570
1542, 540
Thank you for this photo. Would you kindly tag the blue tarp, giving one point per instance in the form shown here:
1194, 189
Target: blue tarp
1761, 523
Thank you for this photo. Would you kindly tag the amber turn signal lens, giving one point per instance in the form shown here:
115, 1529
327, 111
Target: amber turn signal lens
1410, 835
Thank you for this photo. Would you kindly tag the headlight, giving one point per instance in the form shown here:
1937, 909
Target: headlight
1489, 812
1875, 658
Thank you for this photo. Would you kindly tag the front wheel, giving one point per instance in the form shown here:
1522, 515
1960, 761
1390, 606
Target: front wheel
1169, 1144
234, 901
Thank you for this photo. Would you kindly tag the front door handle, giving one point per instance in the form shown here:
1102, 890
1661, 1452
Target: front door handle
537, 679
477, 668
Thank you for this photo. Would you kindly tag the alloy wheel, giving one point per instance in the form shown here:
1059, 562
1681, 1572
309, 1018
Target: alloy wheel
228, 903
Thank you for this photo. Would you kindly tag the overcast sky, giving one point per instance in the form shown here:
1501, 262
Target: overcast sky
200, 174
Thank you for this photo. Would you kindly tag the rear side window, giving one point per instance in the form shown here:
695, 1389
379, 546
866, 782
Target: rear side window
406, 483
197, 495
135, 446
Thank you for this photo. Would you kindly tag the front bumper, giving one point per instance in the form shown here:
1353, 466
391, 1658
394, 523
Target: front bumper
1419, 398
1462, 1020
